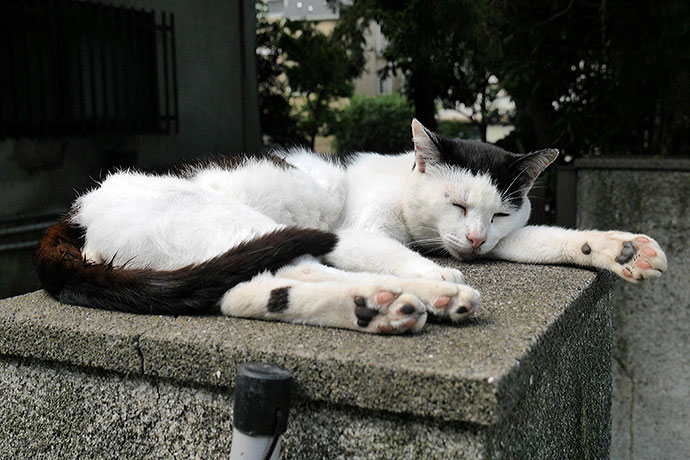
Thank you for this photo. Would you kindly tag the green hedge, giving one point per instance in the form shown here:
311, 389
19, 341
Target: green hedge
374, 124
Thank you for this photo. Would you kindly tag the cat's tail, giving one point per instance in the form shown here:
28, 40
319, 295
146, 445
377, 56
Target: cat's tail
196, 289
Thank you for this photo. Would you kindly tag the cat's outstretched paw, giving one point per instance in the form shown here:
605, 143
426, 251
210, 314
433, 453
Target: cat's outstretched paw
389, 312
431, 272
632, 257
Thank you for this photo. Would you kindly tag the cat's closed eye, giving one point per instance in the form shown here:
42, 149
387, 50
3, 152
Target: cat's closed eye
498, 214
464, 209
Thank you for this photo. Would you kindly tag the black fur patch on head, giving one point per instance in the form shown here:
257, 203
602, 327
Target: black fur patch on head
480, 158
279, 300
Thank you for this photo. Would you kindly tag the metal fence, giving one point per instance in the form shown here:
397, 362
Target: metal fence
72, 68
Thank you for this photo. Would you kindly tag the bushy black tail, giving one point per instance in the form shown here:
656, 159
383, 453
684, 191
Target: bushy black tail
195, 289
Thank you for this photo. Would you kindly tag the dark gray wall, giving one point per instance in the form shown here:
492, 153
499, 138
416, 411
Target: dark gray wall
218, 111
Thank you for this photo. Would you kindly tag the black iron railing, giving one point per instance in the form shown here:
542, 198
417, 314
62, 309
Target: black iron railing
76, 68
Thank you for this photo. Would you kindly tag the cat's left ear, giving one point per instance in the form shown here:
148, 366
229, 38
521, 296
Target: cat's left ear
530, 165
425, 147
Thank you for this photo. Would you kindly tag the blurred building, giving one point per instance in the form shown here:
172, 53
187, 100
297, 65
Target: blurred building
371, 82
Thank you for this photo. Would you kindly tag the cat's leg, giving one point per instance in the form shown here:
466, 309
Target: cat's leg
441, 298
361, 251
632, 257
366, 307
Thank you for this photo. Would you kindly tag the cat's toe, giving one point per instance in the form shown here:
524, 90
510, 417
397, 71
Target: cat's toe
388, 312
458, 306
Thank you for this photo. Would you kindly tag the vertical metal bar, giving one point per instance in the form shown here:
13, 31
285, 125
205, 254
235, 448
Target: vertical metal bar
103, 36
92, 67
127, 68
28, 129
143, 123
166, 91
134, 115
41, 125
153, 66
112, 34
14, 63
80, 68
122, 73
243, 73
59, 111
174, 72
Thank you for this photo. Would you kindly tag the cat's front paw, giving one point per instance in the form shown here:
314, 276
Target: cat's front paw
431, 272
632, 257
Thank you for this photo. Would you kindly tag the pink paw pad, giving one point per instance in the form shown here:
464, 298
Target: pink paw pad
649, 252
442, 301
643, 239
384, 297
627, 273
643, 264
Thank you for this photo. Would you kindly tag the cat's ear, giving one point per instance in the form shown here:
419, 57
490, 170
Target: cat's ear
425, 147
530, 165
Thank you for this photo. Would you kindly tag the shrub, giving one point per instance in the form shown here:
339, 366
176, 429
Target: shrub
374, 124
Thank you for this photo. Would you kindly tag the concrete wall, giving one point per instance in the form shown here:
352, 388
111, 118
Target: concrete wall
651, 404
218, 112
529, 377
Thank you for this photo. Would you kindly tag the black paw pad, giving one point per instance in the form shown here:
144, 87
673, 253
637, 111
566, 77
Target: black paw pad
364, 314
627, 253
407, 310
462, 310
586, 250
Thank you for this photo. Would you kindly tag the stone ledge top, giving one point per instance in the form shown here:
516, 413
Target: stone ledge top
471, 372
634, 162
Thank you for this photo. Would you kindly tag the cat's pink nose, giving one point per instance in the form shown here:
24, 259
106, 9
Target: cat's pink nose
475, 241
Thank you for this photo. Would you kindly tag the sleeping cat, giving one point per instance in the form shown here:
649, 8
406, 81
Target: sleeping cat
303, 238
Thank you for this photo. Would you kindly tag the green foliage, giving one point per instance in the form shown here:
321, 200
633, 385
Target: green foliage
374, 124
278, 122
452, 128
436, 44
587, 77
607, 77
301, 72
320, 69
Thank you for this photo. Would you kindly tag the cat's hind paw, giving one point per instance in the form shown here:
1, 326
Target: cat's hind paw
632, 257
458, 306
389, 312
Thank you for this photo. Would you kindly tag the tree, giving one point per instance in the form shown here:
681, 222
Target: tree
320, 69
301, 72
278, 122
608, 76
428, 47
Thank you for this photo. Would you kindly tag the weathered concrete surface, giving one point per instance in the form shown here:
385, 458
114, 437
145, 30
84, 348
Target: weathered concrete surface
651, 408
530, 374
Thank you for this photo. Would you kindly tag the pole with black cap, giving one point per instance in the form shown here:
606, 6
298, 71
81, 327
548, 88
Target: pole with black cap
261, 407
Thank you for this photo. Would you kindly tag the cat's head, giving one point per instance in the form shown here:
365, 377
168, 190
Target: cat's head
464, 196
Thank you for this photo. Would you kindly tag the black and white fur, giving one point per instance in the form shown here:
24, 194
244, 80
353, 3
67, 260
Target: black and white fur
305, 239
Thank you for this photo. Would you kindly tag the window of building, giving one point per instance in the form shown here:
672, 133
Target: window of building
69, 68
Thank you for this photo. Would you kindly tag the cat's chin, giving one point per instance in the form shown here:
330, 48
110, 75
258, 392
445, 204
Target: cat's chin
462, 254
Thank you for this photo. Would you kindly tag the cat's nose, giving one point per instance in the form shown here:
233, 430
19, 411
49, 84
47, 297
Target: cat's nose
475, 241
